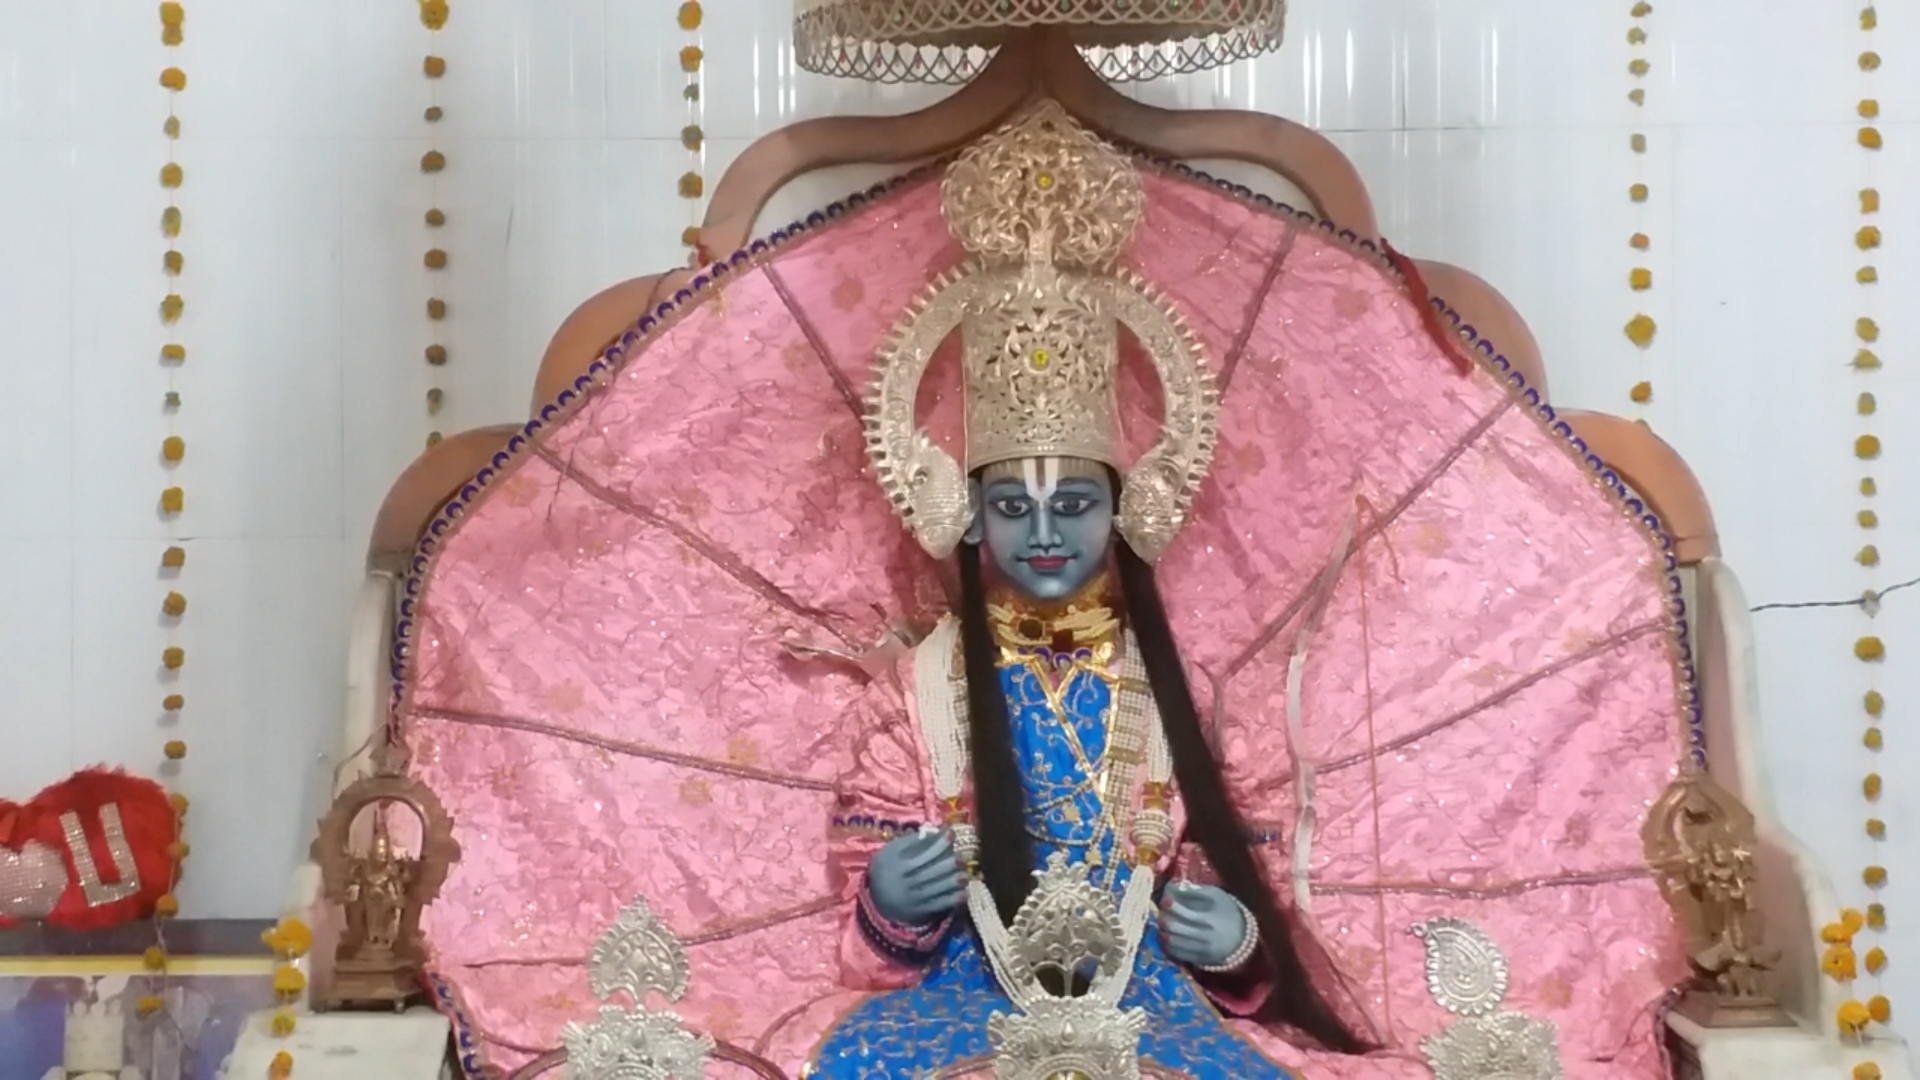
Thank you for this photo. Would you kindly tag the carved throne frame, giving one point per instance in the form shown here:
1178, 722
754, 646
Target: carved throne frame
1795, 893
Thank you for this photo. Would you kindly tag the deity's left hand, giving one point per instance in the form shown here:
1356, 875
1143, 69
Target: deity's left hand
1202, 925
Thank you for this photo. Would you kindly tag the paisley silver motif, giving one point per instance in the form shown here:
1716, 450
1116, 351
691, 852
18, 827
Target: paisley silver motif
1078, 1037
1467, 974
637, 954
1046, 209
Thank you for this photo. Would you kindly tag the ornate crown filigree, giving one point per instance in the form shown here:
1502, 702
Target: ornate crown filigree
1067, 926
948, 41
1467, 975
637, 954
1046, 209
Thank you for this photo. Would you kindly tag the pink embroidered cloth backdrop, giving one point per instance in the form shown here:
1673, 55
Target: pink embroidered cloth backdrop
599, 681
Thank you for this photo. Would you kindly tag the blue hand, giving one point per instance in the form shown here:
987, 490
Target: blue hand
915, 879
1202, 925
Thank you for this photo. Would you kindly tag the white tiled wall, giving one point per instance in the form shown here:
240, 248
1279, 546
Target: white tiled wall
1493, 134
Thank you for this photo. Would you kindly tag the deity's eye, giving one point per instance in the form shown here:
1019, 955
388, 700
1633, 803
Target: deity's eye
1072, 505
1012, 506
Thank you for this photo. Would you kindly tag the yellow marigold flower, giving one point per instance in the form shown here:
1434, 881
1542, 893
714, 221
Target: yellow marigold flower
1636, 36
173, 79
1870, 138
1642, 9
1866, 446
174, 605
1870, 648
692, 186
1852, 1017
1876, 829
690, 15
1866, 404
1875, 703
434, 66
1867, 238
1870, 787
1869, 200
175, 749
693, 136
434, 113
154, 959
179, 850
1852, 920
173, 448
173, 500
1867, 519
1640, 330
179, 803
148, 1005
1869, 18
173, 354
167, 906
433, 439
690, 58
432, 161
436, 217
171, 128
1874, 876
172, 14
436, 259
1640, 279
282, 1023
173, 702
1641, 393
171, 175
437, 355
174, 262
1637, 96
1866, 1070
1866, 329
171, 307
1836, 933
436, 309
1868, 487
1638, 193
170, 221
1880, 1008
1866, 275
1869, 61
1866, 360
1868, 556
288, 981
282, 1066
1872, 738
690, 236
1838, 963
174, 558
1639, 67
1869, 108
433, 13
1639, 241
1877, 916
289, 937
435, 398
1876, 959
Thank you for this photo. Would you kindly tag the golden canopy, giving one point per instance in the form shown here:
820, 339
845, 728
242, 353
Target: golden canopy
947, 41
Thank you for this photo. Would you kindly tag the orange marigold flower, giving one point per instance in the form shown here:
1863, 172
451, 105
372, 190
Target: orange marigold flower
173, 79
1852, 1017
1838, 963
167, 906
1876, 959
148, 1005
1880, 1008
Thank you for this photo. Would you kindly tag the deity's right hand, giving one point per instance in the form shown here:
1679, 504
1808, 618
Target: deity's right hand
916, 879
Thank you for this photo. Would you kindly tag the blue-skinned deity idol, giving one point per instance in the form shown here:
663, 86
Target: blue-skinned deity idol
1050, 879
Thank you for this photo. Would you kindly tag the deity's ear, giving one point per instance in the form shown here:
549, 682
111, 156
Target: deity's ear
977, 528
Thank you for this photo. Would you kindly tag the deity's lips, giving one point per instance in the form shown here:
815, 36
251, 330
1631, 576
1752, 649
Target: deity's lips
1047, 564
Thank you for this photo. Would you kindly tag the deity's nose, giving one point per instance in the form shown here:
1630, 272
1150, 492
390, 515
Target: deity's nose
1044, 536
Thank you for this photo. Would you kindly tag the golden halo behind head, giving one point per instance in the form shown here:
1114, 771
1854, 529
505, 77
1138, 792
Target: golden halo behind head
949, 41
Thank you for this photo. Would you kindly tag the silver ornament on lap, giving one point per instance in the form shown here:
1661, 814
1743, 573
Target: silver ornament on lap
635, 955
1067, 927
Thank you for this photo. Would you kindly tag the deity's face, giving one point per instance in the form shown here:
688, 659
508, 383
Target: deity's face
1046, 523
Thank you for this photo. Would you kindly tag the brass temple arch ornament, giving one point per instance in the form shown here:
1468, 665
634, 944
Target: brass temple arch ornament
1045, 209
949, 41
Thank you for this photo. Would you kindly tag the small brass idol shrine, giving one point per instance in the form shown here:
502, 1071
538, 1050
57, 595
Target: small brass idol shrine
1699, 840
382, 890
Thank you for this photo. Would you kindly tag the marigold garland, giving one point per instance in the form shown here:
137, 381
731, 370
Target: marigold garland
689, 17
1640, 329
172, 178
1854, 1017
433, 16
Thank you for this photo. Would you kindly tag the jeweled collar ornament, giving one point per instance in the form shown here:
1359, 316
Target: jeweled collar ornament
1087, 619
1046, 210
635, 955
